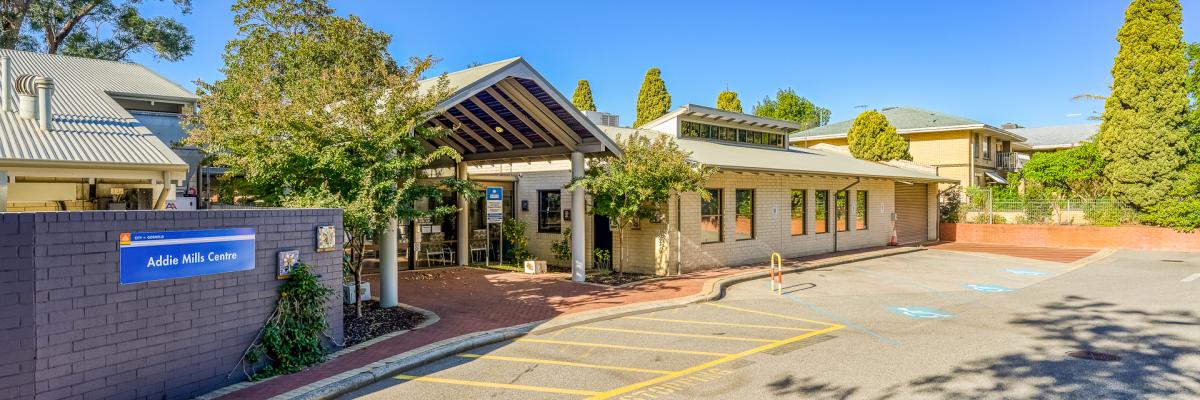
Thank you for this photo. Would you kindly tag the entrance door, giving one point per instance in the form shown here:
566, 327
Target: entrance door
601, 235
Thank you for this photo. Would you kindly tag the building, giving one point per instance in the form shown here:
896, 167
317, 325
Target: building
1056, 137
968, 151
76, 134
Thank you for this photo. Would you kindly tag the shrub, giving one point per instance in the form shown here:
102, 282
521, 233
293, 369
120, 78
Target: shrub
984, 218
950, 206
291, 339
562, 248
515, 233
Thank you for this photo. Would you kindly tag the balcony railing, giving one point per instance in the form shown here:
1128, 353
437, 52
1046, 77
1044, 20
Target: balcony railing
1009, 161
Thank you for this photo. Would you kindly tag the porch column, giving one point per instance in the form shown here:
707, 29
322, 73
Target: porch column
464, 221
388, 279
578, 230
4, 188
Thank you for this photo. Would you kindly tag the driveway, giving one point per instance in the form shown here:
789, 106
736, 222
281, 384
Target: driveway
932, 324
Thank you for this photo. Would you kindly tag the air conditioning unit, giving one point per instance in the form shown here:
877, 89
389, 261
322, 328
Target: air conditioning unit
602, 118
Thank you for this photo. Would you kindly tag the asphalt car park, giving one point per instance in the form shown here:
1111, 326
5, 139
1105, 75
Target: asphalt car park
931, 324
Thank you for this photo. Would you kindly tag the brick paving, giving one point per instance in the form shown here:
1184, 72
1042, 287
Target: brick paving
1053, 254
471, 300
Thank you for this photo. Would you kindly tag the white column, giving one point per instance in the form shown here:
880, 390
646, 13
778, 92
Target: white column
464, 221
4, 189
578, 228
388, 279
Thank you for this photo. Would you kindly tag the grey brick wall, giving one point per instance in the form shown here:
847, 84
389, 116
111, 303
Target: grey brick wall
85, 336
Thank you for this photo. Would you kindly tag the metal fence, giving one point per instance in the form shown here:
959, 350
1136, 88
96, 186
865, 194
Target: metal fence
985, 209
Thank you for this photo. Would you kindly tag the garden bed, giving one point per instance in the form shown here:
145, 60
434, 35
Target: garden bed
614, 279
376, 321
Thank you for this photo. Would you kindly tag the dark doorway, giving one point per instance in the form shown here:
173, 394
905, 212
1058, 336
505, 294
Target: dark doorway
601, 236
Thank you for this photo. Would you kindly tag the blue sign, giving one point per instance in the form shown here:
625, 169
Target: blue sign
155, 256
494, 192
988, 288
921, 312
1025, 272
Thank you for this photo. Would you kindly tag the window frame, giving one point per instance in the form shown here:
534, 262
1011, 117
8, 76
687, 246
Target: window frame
543, 211
717, 196
738, 214
819, 205
861, 202
845, 213
987, 147
803, 212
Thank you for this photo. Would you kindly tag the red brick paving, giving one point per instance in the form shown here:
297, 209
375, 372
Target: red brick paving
1054, 254
471, 300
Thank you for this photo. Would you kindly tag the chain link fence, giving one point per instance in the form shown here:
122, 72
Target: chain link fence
984, 208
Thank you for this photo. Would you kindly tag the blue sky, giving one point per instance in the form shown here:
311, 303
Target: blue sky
994, 61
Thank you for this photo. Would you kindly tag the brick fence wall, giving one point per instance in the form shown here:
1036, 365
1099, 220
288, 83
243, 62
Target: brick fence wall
1088, 237
76, 332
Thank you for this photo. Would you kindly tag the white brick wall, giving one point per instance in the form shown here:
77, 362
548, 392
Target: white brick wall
535, 177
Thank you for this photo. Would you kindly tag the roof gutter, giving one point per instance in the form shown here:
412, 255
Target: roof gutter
835, 231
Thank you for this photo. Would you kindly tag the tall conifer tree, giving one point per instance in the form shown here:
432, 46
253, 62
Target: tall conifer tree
583, 96
873, 138
728, 100
1143, 139
653, 100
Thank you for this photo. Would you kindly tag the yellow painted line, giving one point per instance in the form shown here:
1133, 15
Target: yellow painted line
613, 346
689, 335
770, 314
677, 374
497, 385
688, 321
565, 363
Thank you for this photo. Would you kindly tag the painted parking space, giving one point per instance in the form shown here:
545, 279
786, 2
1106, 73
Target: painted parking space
637, 356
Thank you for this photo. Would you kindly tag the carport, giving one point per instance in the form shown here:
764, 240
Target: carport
504, 112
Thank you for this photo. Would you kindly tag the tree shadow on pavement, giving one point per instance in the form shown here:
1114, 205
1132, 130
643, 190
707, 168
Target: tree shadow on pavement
1159, 350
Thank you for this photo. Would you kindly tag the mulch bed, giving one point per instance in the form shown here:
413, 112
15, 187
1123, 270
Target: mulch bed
613, 279
376, 321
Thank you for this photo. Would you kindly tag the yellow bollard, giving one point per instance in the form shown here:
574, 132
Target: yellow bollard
776, 273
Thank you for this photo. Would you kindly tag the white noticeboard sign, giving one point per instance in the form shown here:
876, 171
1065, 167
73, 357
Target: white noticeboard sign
495, 211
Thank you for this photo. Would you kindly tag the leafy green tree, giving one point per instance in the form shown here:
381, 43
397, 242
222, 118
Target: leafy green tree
873, 138
1143, 136
1073, 173
583, 96
63, 29
653, 100
639, 184
728, 100
313, 111
789, 106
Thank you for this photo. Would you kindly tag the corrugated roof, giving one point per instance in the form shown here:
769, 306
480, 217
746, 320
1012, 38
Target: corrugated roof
1058, 135
88, 125
795, 160
907, 119
460, 80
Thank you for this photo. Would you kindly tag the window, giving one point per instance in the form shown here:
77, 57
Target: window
798, 211
549, 211
744, 230
842, 209
822, 208
710, 217
976, 144
987, 148
714, 132
860, 210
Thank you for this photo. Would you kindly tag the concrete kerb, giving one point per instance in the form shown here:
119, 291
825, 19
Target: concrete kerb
358, 378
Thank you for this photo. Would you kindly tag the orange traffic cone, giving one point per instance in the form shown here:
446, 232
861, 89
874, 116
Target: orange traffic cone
893, 241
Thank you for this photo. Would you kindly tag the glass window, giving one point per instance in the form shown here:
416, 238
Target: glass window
745, 215
798, 211
987, 147
821, 205
843, 210
705, 131
860, 210
710, 217
549, 211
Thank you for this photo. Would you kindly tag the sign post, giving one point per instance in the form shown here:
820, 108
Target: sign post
495, 215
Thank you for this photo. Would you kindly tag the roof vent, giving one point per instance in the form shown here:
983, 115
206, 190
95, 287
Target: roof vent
34, 93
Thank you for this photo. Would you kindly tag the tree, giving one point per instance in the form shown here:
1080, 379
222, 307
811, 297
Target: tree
1075, 172
653, 100
583, 96
728, 100
873, 138
313, 111
1143, 136
639, 184
73, 27
789, 106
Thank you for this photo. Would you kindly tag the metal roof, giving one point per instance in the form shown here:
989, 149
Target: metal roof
733, 156
724, 116
1057, 136
88, 126
907, 120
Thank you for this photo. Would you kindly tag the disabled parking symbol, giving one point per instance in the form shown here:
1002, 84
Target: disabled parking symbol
987, 288
920, 312
1024, 272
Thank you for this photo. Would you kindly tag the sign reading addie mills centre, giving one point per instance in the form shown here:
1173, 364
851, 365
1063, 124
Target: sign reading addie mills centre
155, 256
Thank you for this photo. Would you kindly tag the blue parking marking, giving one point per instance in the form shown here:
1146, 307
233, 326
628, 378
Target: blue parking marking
1024, 272
916, 312
988, 288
